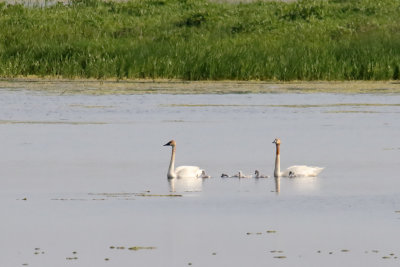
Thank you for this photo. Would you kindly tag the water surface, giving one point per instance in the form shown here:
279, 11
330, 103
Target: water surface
81, 173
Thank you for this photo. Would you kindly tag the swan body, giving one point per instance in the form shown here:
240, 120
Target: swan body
238, 175
182, 171
293, 171
258, 175
241, 175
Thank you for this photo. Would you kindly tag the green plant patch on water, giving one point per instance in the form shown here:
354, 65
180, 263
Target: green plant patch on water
286, 106
140, 248
157, 195
112, 87
280, 257
113, 194
353, 111
202, 40
90, 106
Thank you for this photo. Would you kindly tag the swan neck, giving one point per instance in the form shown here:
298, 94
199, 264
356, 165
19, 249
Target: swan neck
171, 169
277, 171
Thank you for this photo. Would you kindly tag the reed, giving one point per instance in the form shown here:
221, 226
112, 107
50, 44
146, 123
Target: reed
201, 40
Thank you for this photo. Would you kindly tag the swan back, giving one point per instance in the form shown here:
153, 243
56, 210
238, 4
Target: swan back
188, 172
301, 171
258, 175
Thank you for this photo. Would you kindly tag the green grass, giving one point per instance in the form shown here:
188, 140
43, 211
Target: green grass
201, 40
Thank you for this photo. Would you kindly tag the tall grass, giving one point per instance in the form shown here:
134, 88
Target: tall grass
201, 40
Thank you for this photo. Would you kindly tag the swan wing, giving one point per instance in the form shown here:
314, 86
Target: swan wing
302, 170
188, 172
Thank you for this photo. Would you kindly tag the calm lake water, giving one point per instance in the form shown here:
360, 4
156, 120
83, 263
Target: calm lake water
82, 176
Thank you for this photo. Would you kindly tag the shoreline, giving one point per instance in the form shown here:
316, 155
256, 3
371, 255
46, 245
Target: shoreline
165, 86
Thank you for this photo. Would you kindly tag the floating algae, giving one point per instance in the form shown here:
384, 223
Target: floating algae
155, 195
249, 233
90, 106
51, 122
140, 248
113, 87
280, 257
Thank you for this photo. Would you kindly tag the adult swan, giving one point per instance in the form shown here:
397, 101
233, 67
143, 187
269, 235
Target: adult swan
293, 171
182, 171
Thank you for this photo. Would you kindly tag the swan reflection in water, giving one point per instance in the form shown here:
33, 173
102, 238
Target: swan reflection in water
300, 184
277, 184
185, 184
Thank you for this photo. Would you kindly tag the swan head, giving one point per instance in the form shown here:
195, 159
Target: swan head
277, 141
171, 143
256, 172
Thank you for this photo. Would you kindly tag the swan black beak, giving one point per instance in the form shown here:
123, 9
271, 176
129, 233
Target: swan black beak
167, 144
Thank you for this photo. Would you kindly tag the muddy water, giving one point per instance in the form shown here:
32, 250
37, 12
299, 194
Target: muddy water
83, 179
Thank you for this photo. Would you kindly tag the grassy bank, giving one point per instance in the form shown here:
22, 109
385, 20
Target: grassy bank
201, 40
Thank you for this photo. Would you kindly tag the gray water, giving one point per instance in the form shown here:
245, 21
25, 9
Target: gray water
81, 174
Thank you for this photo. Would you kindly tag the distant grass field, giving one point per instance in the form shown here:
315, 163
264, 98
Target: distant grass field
202, 40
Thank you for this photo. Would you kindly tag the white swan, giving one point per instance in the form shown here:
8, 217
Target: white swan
258, 175
293, 171
182, 171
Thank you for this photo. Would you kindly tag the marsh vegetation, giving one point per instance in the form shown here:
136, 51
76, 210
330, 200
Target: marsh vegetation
202, 40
